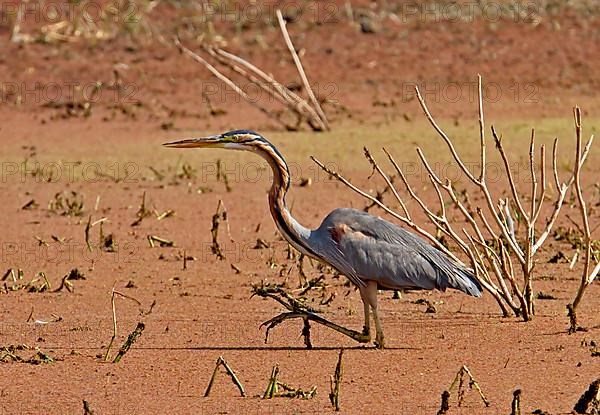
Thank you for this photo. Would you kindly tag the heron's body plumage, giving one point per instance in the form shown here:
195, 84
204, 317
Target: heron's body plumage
373, 249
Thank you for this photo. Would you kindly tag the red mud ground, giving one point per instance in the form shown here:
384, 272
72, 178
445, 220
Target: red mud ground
205, 311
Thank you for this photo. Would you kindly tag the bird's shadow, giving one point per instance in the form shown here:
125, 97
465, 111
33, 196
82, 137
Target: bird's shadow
247, 348
275, 348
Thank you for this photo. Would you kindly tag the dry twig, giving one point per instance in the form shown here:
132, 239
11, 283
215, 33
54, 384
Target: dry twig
220, 214
142, 211
272, 385
459, 379
114, 295
445, 403
228, 82
336, 381
230, 372
515, 407
86, 408
298, 63
132, 338
299, 309
589, 402
74, 274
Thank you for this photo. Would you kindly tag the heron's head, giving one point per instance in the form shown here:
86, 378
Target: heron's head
237, 140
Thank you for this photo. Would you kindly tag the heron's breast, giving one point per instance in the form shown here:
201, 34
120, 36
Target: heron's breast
343, 231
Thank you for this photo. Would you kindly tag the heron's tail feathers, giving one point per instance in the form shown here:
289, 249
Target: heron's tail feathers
465, 281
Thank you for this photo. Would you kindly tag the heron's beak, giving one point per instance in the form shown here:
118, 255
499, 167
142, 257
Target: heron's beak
212, 141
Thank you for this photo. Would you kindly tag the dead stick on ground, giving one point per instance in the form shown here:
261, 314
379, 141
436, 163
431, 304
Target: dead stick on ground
14, 36
230, 372
272, 386
114, 315
472, 383
291, 392
336, 380
515, 408
88, 226
233, 377
133, 336
288, 391
299, 309
306, 333
161, 241
445, 404
142, 211
590, 400
230, 60
86, 408
212, 378
221, 213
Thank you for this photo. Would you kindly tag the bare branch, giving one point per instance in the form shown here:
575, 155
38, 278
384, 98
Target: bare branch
227, 81
533, 175
403, 219
486, 223
483, 187
297, 103
555, 167
536, 215
298, 63
509, 174
562, 193
444, 137
481, 130
388, 181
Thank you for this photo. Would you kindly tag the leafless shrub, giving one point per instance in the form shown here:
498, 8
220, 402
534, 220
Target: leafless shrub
311, 113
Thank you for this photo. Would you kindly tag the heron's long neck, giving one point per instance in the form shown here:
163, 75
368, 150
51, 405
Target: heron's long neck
296, 234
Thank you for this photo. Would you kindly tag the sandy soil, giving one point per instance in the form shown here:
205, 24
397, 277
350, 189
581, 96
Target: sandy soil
205, 311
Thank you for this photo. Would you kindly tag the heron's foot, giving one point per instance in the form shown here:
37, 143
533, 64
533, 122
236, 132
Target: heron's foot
366, 331
379, 342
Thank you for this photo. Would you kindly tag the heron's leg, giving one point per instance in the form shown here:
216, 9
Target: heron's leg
379, 343
369, 295
367, 326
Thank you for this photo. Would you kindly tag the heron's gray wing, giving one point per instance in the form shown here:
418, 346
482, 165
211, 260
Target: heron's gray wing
332, 254
376, 249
